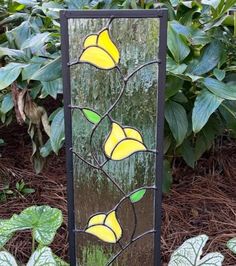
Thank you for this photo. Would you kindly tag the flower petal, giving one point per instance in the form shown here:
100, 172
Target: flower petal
133, 134
97, 57
106, 43
117, 134
112, 222
91, 40
102, 232
96, 219
125, 148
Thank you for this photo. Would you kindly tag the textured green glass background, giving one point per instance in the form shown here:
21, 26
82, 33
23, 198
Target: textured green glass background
137, 41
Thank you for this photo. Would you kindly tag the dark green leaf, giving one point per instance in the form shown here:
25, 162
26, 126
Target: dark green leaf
176, 117
177, 45
91, 115
205, 104
206, 136
209, 59
220, 89
137, 195
188, 153
173, 85
168, 179
175, 68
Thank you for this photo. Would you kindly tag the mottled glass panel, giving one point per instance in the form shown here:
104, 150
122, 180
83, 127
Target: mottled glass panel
114, 128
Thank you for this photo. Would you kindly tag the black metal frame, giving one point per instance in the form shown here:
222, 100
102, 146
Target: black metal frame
162, 15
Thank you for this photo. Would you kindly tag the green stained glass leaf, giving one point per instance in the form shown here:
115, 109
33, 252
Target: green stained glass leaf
92, 116
138, 195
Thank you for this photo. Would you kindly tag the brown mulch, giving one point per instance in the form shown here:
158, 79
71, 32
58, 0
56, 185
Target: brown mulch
202, 201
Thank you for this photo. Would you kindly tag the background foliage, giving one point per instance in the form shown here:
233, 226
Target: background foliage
201, 78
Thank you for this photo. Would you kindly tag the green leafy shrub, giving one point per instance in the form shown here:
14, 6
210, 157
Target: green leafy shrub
201, 79
43, 222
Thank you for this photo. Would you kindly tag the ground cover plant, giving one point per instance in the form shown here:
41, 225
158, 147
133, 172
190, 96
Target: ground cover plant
43, 222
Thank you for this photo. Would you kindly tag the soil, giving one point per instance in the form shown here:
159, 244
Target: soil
202, 200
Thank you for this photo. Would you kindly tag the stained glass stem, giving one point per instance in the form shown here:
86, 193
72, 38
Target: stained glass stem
126, 246
140, 67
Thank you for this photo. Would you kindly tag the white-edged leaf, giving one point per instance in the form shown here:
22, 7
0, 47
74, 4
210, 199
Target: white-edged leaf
42, 220
9, 74
6, 259
189, 254
4, 236
231, 244
42, 257
205, 104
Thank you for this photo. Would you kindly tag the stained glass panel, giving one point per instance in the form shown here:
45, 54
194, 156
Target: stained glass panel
114, 69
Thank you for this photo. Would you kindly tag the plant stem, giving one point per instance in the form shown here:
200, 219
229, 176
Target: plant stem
33, 242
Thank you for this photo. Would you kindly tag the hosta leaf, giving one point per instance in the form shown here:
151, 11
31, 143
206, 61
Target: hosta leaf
91, 115
4, 51
176, 117
53, 87
9, 74
231, 244
36, 42
7, 103
6, 259
49, 72
42, 257
57, 131
220, 89
137, 195
189, 254
19, 34
205, 104
219, 74
42, 220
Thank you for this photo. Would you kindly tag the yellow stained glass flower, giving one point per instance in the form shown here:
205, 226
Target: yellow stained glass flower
100, 51
122, 142
105, 226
